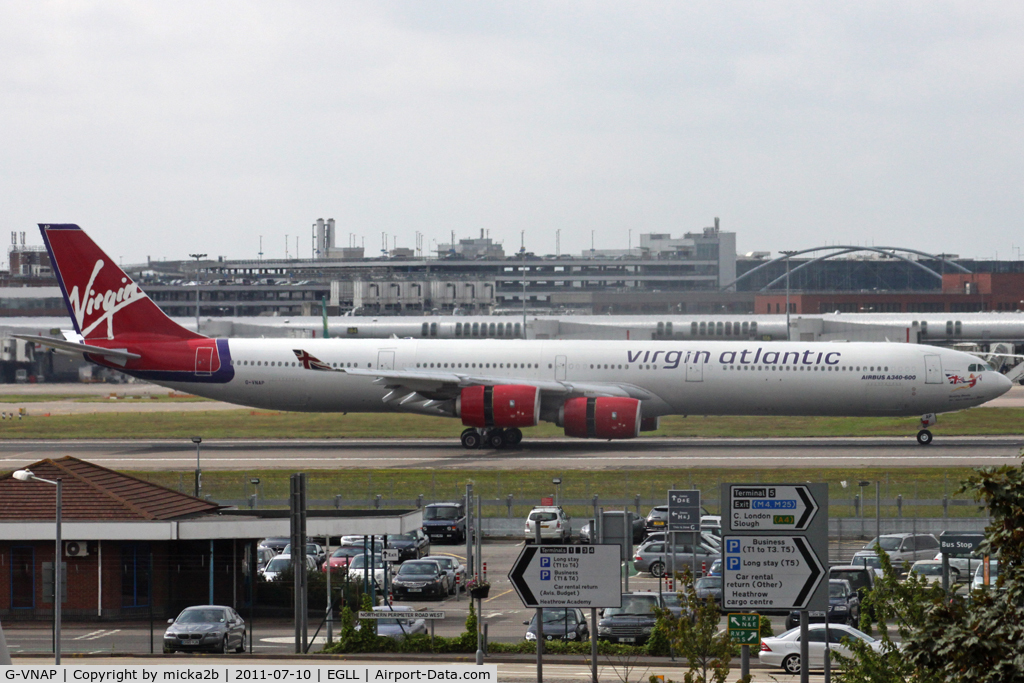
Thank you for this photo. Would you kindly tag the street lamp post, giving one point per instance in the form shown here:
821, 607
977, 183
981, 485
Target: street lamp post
557, 481
199, 470
58, 597
197, 257
789, 336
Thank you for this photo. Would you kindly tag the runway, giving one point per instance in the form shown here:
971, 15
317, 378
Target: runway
540, 454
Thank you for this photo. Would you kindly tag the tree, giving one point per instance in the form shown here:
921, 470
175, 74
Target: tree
696, 635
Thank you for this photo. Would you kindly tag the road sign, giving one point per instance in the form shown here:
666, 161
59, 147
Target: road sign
744, 629
390, 554
683, 510
769, 572
959, 544
770, 507
568, 576
400, 614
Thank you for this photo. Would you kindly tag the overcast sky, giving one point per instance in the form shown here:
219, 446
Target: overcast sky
169, 127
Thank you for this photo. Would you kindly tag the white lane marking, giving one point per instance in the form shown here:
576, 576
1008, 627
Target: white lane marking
95, 635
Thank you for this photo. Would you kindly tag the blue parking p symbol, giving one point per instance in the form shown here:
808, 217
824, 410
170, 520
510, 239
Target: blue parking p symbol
545, 574
545, 561
732, 545
732, 564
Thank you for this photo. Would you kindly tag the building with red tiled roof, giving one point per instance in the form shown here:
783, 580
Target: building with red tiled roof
130, 545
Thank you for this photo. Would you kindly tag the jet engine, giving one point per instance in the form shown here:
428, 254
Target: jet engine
604, 417
504, 405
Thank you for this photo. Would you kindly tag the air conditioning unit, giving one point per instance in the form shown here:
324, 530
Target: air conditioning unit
76, 549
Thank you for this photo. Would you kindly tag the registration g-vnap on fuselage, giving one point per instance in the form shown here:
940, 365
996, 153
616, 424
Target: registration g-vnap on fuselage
594, 389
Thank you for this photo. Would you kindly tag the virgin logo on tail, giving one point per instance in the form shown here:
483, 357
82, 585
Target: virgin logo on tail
105, 304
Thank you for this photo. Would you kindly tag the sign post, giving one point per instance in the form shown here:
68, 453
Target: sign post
745, 629
957, 545
567, 576
776, 535
683, 515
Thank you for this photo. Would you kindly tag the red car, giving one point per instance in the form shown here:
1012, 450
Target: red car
340, 558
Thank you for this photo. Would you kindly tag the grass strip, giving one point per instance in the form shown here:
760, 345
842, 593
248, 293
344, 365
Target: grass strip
245, 423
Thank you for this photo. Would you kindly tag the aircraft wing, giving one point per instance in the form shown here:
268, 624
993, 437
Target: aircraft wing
114, 355
439, 381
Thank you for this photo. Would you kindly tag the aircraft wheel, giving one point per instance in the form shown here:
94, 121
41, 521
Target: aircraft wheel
471, 439
924, 437
496, 439
513, 437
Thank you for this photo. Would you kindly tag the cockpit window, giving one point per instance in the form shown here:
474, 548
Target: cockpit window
980, 367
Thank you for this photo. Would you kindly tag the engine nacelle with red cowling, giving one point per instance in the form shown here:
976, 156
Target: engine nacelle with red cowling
604, 417
505, 405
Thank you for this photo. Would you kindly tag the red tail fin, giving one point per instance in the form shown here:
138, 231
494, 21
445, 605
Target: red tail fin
103, 301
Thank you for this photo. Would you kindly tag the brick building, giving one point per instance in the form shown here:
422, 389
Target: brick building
129, 544
961, 293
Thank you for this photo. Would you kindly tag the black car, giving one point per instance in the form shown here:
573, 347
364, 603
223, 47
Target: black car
843, 605
420, 578
211, 628
411, 546
709, 587
445, 521
560, 624
632, 622
277, 543
657, 518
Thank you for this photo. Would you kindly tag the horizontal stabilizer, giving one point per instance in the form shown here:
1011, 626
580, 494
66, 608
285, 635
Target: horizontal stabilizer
74, 347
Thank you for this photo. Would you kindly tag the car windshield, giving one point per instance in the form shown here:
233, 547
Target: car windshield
887, 543
927, 569
445, 562
359, 562
556, 616
837, 590
868, 561
709, 582
856, 578
441, 513
543, 516
202, 616
348, 551
670, 599
634, 604
993, 570
411, 536
279, 564
418, 569
854, 632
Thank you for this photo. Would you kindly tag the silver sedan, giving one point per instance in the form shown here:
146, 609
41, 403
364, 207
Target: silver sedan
654, 558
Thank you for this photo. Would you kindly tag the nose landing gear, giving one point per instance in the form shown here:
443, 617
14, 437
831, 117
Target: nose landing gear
924, 437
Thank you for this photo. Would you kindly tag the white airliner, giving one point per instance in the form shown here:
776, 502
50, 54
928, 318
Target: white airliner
593, 389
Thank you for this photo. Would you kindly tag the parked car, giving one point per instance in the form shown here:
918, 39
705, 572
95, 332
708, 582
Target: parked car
861, 578
213, 628
632, 622
586, 532
358, 541
902, 548
400, 626
966, 566
359, 564
341, 558
843, 606
559, 624
281, 563
657, 519
656, 558
710, 543
931, 571
420, 578
716, 568
314, 550
873, 561
979, 574
445, 521
709, 587
263, 556
554, 525
784, 651
411, 545
275, 543
453, 568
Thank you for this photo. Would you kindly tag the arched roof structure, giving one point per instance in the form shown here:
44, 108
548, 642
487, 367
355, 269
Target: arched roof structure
840, 250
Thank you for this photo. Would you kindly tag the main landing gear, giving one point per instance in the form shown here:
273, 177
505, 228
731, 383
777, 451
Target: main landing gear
924, 437
495, 438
